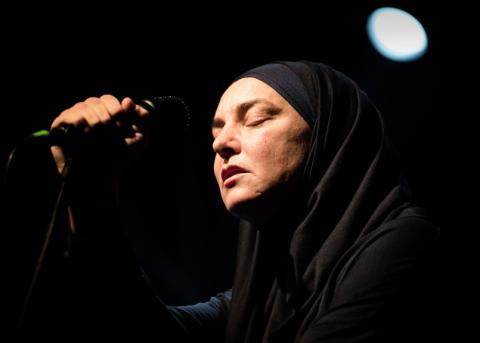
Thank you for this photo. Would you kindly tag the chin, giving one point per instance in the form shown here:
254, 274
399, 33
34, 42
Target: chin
240, 205
250, 208
255, 207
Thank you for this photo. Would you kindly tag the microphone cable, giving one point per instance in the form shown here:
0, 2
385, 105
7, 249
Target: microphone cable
59, 135
46, 242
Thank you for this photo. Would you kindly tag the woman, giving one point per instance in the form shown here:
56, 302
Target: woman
330, 248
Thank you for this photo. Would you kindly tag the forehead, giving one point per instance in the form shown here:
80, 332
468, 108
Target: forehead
245, 90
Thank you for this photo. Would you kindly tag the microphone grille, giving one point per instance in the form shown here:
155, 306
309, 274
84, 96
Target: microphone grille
172, 109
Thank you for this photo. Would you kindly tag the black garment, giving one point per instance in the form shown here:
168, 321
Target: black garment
380, 290
346, 260
331, 266
349, 258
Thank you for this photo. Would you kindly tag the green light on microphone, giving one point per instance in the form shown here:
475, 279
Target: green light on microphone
41, 133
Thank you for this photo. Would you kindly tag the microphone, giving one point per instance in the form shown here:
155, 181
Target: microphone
168, 109
164, 112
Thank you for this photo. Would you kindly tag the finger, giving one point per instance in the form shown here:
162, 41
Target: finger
58, 121
130, 106
98, 107
112, 104
114, 108
69, 117
137, 137
83, 110
143, 113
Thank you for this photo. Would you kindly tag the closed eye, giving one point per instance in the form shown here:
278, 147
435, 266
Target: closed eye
260, 113
256, 121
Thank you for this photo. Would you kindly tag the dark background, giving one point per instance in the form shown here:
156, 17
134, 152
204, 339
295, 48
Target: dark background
55, 57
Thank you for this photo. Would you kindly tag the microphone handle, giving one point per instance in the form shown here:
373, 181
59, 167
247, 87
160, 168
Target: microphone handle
71, 138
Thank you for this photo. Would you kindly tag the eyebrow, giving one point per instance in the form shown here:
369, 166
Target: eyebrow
245, 106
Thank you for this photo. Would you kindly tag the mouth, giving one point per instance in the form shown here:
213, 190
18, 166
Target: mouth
230, 171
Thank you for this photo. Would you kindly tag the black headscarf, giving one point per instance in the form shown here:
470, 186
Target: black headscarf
350, 186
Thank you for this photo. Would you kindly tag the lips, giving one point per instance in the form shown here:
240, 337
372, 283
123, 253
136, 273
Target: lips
231, 171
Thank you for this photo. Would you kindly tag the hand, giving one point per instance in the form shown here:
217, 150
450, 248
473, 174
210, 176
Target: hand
106, 117
96, 167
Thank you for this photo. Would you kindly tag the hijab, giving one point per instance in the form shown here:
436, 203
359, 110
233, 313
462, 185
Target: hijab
350, 185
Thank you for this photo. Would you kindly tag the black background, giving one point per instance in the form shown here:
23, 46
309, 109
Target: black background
54, 57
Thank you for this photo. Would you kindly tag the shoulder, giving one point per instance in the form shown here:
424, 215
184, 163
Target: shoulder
402, 245
386, 283
409, 233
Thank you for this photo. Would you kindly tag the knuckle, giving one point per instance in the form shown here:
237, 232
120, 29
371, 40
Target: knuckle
93, 101
108, 97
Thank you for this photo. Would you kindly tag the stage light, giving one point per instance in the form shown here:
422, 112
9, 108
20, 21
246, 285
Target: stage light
396, 34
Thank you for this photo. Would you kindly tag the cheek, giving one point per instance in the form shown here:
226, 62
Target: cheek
296, 152
280, 161
282, 157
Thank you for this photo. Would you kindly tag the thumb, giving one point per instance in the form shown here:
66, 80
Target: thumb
128, 105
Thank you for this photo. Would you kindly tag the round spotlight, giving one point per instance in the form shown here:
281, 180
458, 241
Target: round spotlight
396, 34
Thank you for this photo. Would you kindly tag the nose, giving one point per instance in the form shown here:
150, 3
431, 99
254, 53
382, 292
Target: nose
226, 144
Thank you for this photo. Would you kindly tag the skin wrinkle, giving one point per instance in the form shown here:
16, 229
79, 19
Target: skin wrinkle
271, 149
315, 187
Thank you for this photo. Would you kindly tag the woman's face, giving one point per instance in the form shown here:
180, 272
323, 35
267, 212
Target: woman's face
260, 142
